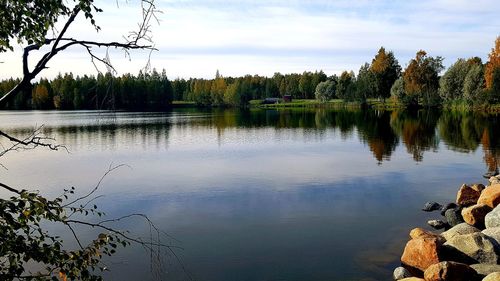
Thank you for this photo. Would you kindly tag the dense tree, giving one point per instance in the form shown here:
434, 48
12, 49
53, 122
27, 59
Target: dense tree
344, 85
473, 89
421, 79
306, 85
452, 82
387, 70
366, 84
325, 91
492, 64
41, 98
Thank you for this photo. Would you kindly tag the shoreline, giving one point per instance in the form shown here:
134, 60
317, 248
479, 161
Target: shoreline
469, 247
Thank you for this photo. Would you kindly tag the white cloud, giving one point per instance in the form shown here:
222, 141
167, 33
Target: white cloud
238, 37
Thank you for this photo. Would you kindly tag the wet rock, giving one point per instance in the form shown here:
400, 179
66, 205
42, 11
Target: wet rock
454, 216
495, 276
494, 234
447, 207
476, 245
448, 270
485, 269
492, 219
431, 206
400, 273
459, 229
422, 252
467, 195
437, 224
475, 215
490, 196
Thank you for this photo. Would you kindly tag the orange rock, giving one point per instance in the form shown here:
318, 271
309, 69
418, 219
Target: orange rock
467, 195
474, 215
421, 252
412, 279
448, 270
417, 232
490, 196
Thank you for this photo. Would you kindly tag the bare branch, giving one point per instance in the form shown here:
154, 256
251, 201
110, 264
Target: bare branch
111, 168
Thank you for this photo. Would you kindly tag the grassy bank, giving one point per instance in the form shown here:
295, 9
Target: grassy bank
335, 103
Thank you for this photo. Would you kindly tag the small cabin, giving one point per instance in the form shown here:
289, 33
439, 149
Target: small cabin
271, 100
287, 98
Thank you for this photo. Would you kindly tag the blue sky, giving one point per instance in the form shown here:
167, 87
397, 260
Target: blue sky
195, 38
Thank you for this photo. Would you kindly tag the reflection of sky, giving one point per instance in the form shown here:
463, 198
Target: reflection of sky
254, 203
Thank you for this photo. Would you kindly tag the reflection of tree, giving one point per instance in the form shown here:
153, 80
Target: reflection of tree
375, 130
490, 140
461, 131
417, 130
465, 131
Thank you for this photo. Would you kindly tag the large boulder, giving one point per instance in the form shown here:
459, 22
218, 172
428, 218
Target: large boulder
476, 246
494, 234
448, 270
453, 216
419, 232
495, 276
431, 206
492, 219
490, 196
421, 252
474, 215
447, 207
459, 229
467, 195
400, 273
484, 269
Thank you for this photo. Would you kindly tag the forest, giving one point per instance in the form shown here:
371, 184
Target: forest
466, 83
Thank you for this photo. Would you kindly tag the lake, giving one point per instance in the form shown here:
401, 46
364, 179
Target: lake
298, 194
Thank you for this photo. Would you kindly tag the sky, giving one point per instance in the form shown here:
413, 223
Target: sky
197, 38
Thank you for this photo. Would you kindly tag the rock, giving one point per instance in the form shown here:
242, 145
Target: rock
485, 269
476, 245
412, 279
478, 187
417, 232
474, 215
467, 196
495, 276
492, 219
447, 206
437, 224
421, 252
490, 196
490, 174
454, 216
400, 273
494, 180
459, 229
494, 234
448, 270
431, 206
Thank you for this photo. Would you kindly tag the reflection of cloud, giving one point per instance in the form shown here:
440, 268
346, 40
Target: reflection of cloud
197, 37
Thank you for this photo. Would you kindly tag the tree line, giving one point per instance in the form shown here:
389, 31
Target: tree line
466, 82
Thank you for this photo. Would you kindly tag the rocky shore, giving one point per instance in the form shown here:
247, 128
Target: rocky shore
467, 249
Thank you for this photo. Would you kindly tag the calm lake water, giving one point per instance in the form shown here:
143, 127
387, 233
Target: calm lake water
308, 194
